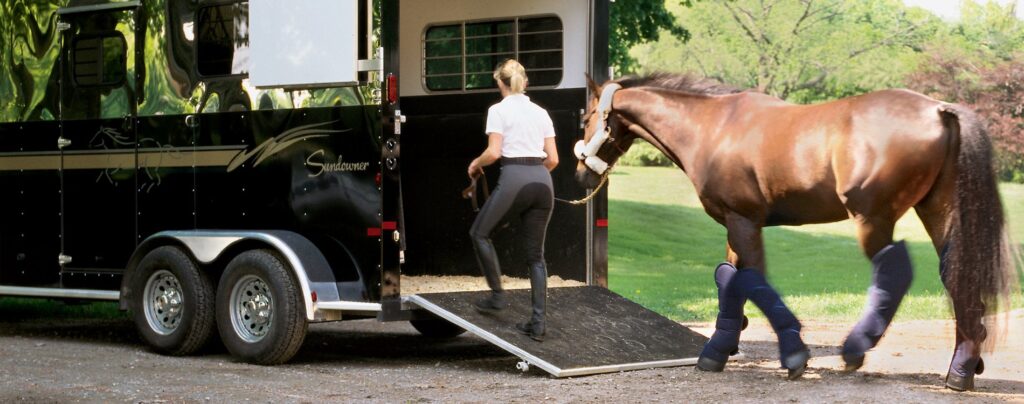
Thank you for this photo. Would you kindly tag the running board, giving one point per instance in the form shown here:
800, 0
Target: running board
591, 330
91, 294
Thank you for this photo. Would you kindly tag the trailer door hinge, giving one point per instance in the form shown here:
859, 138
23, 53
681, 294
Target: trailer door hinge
63, 259
370, 65
63, 142
399, 120
63, 26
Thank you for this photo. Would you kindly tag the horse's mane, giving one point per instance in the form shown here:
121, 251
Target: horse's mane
686, 83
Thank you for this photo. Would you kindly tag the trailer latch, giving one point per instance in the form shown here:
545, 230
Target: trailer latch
63, 259
63, 142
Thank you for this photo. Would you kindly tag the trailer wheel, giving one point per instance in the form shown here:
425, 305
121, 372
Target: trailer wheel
260, 312
172, 302
436, 328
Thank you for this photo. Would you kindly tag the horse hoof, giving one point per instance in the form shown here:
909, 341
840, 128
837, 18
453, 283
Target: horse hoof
796, 364
959, 383
746, 322
853, 362
707, 364
964, 383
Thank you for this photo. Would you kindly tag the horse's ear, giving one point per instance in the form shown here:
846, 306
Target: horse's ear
595, 89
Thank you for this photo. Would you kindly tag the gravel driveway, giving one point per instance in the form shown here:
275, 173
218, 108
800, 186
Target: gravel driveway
102, 360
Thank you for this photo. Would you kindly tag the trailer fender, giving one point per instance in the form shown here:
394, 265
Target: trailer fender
312, 272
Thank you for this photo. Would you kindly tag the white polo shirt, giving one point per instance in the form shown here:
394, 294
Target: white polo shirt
522, 124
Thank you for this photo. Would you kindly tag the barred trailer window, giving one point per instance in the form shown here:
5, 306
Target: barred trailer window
463, 56
99, 60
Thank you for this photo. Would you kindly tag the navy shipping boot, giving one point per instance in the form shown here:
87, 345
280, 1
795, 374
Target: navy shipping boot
966, 362
793, 353
891, 277
726, 339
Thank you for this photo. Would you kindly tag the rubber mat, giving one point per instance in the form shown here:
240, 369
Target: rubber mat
589, 330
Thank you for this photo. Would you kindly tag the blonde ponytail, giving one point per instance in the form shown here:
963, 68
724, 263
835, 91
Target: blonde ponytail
512, 75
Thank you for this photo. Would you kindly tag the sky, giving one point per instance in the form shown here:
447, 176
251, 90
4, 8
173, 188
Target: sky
950, 9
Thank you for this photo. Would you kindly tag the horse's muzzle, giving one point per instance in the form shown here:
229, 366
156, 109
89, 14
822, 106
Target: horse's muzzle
585, 177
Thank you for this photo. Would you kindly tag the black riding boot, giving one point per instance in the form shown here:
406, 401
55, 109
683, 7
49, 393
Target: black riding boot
535, 328
487, 258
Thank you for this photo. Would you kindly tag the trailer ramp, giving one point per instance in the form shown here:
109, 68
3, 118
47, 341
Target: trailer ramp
590, 330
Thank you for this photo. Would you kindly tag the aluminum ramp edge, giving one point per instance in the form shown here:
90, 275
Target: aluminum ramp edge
534, 360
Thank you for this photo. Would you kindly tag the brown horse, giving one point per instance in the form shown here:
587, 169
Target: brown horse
757, 161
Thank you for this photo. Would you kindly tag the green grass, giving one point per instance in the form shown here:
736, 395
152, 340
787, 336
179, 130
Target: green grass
663, 248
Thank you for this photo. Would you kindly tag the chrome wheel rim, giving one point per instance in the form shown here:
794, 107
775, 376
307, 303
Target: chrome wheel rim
252, 308
163, 302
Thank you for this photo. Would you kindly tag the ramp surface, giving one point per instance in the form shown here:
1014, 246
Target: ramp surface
590, 330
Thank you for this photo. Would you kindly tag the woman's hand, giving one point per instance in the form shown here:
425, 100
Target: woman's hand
491, 154
474, 169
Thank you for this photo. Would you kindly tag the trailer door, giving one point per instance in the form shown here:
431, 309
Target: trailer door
449, 49
98, 144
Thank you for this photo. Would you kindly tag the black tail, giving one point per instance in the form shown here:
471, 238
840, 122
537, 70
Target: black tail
978, 270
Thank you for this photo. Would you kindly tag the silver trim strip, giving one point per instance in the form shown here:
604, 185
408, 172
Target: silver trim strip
92, 294
534, 360
627, 366
349, 306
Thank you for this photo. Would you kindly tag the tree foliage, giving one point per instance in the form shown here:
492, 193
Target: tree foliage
802, 50
995, 92
634, 22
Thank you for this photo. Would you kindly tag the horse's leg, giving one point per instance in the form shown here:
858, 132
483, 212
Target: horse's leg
934, 214
890, 279
749, 283
731, 321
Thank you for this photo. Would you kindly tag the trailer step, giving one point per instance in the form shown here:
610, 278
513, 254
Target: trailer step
590, 330
91, 294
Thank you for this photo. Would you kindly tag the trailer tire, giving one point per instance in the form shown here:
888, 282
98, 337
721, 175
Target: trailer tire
172, 305
260, 312
437, 328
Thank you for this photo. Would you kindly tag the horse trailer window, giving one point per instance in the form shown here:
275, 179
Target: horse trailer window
99, 60
222, 35
463, 56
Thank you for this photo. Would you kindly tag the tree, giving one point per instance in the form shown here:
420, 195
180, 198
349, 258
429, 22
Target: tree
634, 22
979, 61
802, 50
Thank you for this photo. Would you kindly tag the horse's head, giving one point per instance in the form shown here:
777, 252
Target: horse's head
605, 136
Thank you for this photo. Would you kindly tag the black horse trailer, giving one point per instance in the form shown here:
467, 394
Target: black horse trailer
249, 167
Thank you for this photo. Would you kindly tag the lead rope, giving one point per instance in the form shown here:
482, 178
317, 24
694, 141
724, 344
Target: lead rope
470, 191
604, 180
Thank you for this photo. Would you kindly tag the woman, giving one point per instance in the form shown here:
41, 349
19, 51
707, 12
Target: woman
522, 136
